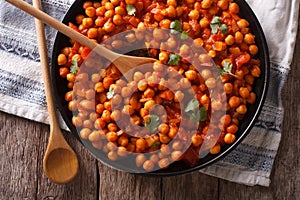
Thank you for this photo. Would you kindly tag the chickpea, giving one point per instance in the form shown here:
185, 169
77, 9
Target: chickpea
121, 151
87, 22
108, 27
120, 11
223, 4
112, 155
176, 155
216, 149
142, 85
106, 116
99, 124
123, 141
251, 98
61, 59
165, 149
69, 96
127, 110
94, 136
148, 165
249, 38
238, 37
112, 127
100, 11
149, 104
194, 14
249, 79
184, 50
130, 147
163, 129
191, 75
242, 109
255, 71
229, 138
99, 108
234, 101
232, 128
234, 8
112, 136
244, 92
125, 92
99, 87
141, 144
164, 163
87, 4
242, 23
140, 159
90, 12
204, 22
171, 11
165, 23
115, 2
229, 40
210, 83
196, 140
253, 49
173, 132
178, 96
84, 133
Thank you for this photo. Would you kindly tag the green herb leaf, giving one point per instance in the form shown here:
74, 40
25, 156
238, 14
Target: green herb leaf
216, 20
184, 35
156, 144
175, 27
192, 105
216, 23
202, 114
224, 28
74, 67
214, 28
221, 71
226, 69
110, 93
174, 59
152, 123
130, 9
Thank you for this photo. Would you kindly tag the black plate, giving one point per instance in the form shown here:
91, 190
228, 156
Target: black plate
260, 87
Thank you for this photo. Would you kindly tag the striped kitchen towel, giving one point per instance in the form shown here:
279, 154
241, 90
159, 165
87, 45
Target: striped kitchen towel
22, 94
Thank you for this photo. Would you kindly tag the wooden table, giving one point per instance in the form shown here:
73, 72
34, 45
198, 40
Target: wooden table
23, 143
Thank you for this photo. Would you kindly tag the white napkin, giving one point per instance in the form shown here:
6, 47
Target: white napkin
22, 94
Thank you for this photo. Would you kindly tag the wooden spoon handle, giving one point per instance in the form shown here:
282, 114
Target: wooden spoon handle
54, 23
45, 68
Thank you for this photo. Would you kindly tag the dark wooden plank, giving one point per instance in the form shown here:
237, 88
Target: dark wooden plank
286, 172
84, 186
23, 143
119, 185
190, 186
18, 160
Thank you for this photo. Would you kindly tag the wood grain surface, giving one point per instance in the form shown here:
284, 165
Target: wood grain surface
23, 143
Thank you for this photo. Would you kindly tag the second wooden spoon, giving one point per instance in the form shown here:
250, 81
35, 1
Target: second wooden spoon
122, 62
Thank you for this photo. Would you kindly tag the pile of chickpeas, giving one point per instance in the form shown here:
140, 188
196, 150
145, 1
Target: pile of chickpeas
111, 112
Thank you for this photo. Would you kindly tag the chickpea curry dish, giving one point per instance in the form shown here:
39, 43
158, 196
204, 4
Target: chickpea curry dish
187, 104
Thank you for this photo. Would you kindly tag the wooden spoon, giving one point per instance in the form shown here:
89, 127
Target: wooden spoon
60, 161
123, 62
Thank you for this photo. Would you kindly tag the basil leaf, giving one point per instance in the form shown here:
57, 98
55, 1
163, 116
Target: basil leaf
192, 105
130, 9
202, 114
224, 28
184, 35
74, 67
152, 123
174, 59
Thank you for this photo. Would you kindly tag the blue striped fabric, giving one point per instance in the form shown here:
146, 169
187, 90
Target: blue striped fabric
20, 84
